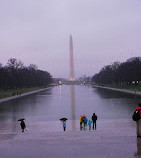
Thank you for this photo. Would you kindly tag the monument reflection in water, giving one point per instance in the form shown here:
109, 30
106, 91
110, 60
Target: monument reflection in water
71, 114
72, 99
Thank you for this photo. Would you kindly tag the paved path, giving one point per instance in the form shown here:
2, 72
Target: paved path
120, 90
112, 139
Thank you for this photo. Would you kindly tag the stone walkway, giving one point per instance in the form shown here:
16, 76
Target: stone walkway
120, 90
112, 139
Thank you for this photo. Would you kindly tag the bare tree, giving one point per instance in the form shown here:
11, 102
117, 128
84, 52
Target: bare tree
13, 63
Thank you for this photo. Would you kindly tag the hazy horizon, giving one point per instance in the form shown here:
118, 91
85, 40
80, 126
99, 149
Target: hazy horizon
38, 33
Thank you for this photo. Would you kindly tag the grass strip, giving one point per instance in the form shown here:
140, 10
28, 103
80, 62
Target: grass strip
14, 92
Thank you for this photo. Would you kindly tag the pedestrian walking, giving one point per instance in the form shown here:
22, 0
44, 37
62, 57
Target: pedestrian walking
89, 124
23, 126
64, 119
94, 119
138, 122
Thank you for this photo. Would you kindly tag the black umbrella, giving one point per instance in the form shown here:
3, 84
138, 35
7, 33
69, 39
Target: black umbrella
21, 119
63, 119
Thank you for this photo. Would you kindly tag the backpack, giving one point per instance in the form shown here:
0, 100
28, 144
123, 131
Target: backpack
136, 115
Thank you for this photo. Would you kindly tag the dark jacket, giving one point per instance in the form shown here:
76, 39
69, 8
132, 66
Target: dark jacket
94, 118
23, 126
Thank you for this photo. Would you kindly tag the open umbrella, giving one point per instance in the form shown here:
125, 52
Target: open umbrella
21, 119
63, 119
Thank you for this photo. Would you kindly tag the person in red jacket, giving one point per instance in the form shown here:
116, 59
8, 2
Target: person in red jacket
138, 129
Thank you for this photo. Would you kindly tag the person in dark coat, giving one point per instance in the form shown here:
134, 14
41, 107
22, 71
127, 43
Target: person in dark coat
94, 119
138, 127
23, 126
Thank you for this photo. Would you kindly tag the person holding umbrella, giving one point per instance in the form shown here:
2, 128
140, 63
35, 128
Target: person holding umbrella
64, 123
23, 126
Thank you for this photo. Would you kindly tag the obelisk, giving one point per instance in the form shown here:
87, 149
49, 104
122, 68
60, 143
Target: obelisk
71, 60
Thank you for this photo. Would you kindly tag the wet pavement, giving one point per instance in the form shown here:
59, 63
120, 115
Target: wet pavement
115, 136
120, 90
112, 139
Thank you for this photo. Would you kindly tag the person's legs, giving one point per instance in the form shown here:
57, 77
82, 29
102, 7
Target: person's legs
138, 128
84, 124
80, 124
93, 125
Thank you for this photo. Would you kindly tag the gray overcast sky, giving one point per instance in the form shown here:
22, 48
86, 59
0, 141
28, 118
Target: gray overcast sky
37, 32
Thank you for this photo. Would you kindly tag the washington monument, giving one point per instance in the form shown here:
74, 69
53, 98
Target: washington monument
71, 60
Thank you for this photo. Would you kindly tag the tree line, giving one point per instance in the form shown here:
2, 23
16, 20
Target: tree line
126, 73
15, 75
